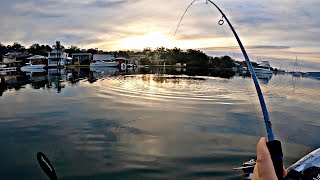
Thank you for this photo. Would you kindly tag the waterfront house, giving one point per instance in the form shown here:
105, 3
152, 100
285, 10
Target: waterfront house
38, 59
81, 58
57, 58
15, 58
8, 59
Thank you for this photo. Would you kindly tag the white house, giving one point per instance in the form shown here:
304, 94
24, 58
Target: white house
57, 58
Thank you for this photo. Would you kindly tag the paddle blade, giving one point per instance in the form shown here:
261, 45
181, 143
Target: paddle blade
46, 166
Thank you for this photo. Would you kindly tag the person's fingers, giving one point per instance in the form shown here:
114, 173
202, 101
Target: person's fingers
284, 172
264, 166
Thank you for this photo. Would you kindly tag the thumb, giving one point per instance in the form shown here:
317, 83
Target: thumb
264, 168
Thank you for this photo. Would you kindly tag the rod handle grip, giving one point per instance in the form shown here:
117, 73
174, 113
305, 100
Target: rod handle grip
275, 150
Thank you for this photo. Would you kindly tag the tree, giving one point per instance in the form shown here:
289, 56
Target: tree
222, 62
72, 49
228, 62
55, 47
144, 61
160, 50
123, 54
16, 47
176, 50
3, 51
37, 49
92, 51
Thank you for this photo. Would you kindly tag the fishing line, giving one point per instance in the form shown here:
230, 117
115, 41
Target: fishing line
274, 146
221, 23
183, 16
245, 82
232, 50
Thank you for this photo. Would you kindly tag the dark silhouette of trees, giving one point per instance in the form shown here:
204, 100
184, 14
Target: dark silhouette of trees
3, 50
17, 47
61, 47
37, 49
92, 51
222, 62
190, 57
72, 49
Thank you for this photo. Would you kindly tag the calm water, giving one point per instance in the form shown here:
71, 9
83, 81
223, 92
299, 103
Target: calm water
148, 124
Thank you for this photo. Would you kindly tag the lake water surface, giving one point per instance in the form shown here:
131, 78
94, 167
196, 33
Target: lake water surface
149, 124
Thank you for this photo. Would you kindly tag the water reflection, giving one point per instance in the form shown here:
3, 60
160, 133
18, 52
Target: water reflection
56, 78
264, 78
126, 124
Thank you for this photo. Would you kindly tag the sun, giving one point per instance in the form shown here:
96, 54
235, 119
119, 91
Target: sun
152, 39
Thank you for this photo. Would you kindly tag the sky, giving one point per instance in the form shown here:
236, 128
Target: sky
278, 31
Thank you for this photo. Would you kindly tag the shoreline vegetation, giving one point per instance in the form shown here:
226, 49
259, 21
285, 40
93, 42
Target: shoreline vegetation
160, 56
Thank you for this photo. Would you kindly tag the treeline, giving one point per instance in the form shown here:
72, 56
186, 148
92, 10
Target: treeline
193, 57
37, 49
160, 55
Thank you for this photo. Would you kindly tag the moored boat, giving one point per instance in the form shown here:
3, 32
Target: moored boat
263, 68
129, 65
103, 63
8, 69
31, 67
244, 70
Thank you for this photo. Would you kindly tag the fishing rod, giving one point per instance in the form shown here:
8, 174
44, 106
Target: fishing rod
274, 146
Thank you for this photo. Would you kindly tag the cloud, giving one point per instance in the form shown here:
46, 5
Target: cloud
275, 29
108, 4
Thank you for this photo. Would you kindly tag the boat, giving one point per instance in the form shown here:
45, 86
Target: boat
123, 66
129, 65
103, 63
3, 66
35, 62
307, 167
31, 67
297, 74
8, 69
296, 69
244, 70
263, 68
35, 70
281, 71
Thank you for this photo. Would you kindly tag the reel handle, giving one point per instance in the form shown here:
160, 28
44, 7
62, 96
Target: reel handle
275, 150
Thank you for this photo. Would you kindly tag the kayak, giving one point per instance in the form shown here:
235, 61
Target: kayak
307, 168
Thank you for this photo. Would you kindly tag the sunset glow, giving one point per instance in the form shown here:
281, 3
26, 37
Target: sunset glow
278, 34
152, 39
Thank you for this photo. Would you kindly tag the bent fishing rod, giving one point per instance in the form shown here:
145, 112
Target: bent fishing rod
274, 146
